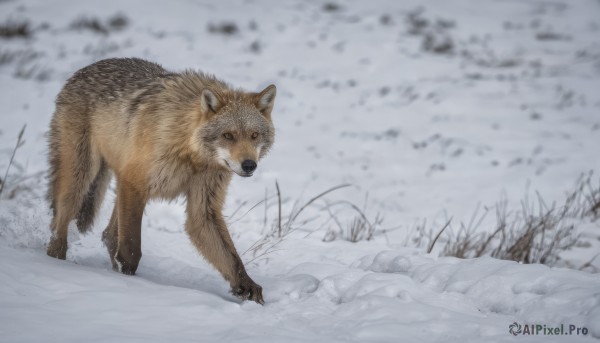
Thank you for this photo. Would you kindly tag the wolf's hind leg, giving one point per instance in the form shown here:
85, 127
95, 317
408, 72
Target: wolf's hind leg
57, 247
73, 167
67, 198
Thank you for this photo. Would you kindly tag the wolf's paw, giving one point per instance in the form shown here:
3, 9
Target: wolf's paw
127, 266
246, 289
57, 248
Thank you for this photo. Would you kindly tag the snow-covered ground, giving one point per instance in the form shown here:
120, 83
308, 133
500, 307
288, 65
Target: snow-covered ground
429, 108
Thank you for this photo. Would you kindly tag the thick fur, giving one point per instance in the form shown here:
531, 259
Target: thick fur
162, 134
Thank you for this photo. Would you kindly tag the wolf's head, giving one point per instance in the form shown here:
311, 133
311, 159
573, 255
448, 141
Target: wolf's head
239, 130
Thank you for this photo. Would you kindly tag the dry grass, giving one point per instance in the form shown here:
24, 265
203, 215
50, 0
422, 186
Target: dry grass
359, 225
19, 144
535, 233
358, 228
283, 224
15, 29
114, 23
435, 34
584, 199
224, 28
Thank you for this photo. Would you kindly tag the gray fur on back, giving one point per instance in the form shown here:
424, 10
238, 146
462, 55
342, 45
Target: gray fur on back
109, 79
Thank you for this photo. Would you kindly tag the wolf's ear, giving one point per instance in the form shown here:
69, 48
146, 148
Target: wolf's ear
209, 103
265, 100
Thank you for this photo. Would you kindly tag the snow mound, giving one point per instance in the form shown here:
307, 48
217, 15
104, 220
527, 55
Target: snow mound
457, 299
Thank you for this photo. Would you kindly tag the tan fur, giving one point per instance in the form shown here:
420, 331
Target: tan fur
162, 135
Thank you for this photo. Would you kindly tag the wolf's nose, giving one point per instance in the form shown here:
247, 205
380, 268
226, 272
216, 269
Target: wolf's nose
248, 166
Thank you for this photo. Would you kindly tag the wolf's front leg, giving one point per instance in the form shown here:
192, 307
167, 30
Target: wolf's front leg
207, 230
130, 209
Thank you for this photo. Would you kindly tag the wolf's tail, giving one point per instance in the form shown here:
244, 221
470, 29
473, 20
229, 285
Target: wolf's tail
92, 199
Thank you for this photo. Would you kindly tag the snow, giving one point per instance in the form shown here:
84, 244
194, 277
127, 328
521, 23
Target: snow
426, 135
432, 300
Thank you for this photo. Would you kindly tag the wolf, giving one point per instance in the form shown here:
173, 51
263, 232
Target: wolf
161, 134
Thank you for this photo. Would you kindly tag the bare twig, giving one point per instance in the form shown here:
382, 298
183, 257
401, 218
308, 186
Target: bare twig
588, 263
19, 144
265, 217
313, 199
237, 210
438, 236
279, 209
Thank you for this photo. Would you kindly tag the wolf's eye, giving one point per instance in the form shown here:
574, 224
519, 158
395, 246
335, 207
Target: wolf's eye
228, 136
254, 135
